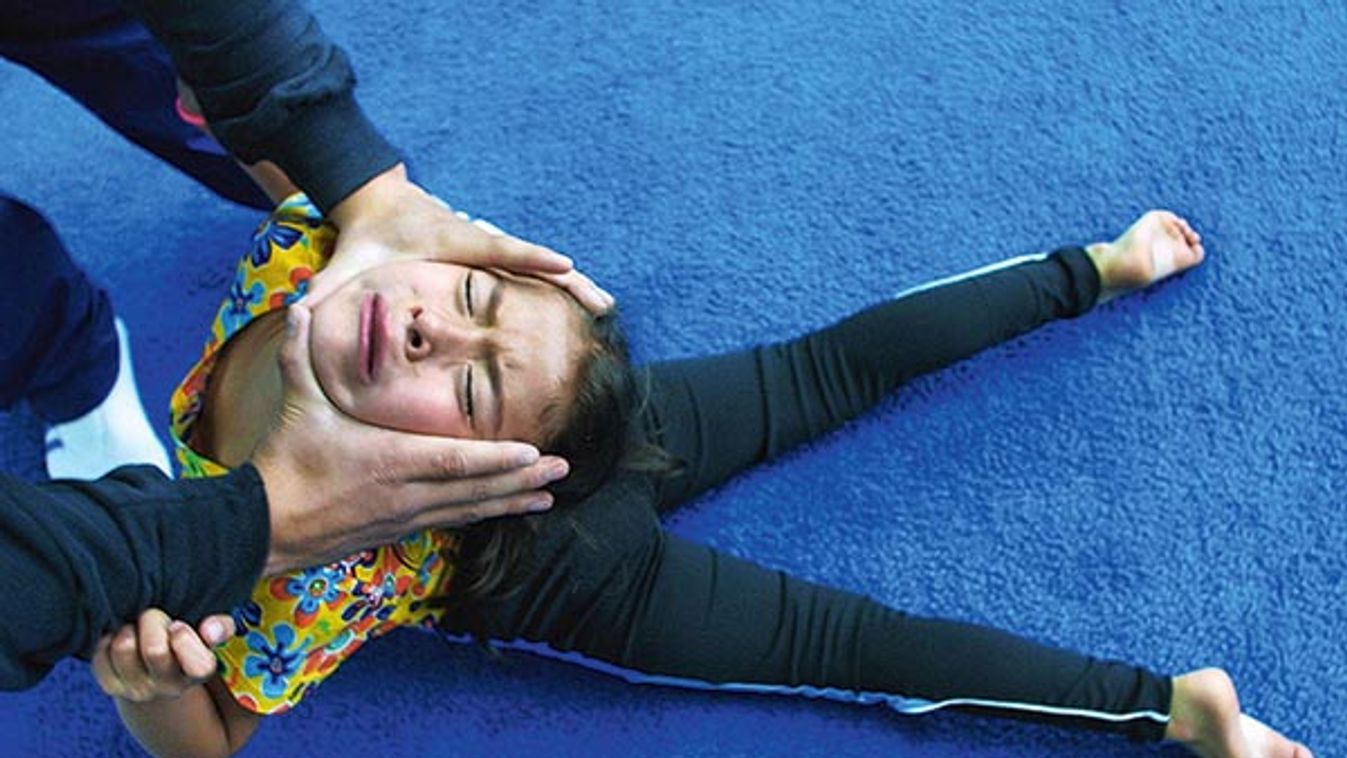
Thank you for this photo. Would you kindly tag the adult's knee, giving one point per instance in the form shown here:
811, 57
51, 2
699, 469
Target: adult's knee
20, 221
31, 252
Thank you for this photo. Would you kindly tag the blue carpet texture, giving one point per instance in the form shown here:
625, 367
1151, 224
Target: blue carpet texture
1160, 481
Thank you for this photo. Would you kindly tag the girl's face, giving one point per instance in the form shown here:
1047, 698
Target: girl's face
442, 349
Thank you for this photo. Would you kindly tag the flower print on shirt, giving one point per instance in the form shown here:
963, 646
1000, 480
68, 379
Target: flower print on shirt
365, 559
247, 616
238, 309
269, 234
310, 590
375, 598
299, 287
274, 663
294, 633
324, 660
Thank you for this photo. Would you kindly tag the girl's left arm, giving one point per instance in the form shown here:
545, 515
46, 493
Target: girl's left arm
161, 674
204, 722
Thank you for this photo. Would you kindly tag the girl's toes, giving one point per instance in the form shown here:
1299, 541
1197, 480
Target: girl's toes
1198, 251
1188, 231
1187, 257
1174, 226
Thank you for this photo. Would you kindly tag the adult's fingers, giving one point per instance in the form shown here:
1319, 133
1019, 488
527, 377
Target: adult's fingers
490, 247
409, 458
466, 514
467, 501
581, 287
594, 298
216, 629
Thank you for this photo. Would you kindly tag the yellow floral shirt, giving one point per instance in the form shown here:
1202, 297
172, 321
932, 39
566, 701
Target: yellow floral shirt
297, 628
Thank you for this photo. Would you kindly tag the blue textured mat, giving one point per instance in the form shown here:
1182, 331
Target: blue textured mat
1160, 481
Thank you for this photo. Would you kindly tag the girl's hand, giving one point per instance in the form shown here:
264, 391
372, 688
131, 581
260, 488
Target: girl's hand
158, 658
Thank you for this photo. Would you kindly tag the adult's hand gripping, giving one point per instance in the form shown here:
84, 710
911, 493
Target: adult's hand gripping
336, 485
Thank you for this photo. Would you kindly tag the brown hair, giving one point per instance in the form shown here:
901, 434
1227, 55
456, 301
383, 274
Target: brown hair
597, 435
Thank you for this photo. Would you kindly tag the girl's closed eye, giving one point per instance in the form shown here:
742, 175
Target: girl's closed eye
467, 402
472, 417
467, 295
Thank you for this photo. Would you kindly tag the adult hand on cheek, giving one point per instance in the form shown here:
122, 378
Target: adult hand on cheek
335, 485
390, 218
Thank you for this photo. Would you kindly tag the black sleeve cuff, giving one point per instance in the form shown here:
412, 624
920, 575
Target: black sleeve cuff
329, 149
1084, 286
215, 546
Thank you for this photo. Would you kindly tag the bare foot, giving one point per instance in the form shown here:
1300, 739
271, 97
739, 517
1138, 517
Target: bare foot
1159, 244
1204, 715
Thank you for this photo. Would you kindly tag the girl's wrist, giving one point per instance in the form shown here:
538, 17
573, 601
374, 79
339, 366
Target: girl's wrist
1100, 254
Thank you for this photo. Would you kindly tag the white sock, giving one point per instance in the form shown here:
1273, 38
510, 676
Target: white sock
116, 433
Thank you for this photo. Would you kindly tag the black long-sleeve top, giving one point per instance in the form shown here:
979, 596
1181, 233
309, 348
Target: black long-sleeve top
273, 87
79, 558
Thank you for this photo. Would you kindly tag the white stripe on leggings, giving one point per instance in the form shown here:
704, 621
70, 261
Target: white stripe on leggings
905, 705
989, 268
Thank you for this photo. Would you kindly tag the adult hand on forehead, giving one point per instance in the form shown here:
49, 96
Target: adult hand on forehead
390, 218
336, 486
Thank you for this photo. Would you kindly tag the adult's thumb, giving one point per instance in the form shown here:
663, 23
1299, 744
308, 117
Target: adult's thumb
296, 359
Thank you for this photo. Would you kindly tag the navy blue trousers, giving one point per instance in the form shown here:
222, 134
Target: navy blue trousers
58, 347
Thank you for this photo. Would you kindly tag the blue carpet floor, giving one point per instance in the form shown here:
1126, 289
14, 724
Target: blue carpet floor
1160, 481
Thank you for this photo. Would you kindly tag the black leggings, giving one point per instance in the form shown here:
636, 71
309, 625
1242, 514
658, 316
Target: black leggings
607, 587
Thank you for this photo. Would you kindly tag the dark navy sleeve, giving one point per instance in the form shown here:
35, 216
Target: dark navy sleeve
78, 559
273, 87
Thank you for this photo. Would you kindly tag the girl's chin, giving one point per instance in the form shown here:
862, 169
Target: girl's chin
337, 392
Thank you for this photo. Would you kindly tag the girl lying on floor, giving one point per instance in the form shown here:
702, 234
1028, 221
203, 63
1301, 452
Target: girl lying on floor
443, 349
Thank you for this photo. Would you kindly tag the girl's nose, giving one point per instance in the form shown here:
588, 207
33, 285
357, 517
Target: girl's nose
434, 334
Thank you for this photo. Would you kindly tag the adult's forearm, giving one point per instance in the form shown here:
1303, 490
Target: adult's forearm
80, 558
273, 87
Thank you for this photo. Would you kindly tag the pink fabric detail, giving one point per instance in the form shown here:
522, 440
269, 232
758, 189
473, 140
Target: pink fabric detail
195, 119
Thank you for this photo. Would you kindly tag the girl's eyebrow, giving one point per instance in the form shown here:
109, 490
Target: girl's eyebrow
493, 375
493, 365
493, 304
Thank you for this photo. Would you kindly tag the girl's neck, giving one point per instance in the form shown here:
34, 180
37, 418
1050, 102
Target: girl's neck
245, 394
